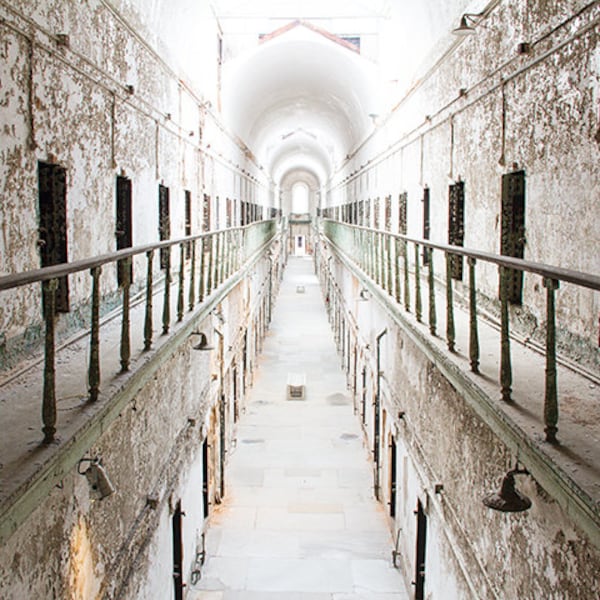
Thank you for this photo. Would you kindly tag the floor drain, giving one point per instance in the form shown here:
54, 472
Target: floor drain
348, 436
256, 441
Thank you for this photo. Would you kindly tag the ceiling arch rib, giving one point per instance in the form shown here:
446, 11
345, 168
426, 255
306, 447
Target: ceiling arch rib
300, 99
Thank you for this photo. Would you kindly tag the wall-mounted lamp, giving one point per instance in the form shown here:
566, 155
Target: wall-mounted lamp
203, 341
467, 24
100, 484
364, 295
508, 499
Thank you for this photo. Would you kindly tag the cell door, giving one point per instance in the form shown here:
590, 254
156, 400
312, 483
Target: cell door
393, 482
426, 222
205, 479
164, 223
177, 527
456, 226
188, 222
124, 226
512, 241
419, 581
52, 199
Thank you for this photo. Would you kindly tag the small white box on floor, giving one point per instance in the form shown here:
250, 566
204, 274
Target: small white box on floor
296, 386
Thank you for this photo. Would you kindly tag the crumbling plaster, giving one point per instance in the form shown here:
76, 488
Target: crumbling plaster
484, 111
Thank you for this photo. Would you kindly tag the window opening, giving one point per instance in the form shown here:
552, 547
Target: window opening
177, 527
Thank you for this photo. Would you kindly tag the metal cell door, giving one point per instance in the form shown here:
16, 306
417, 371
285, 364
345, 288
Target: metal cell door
512, 241
124, 226
52, 190
456, 226
164, 223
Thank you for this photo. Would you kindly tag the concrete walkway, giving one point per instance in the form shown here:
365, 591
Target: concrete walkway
299, 521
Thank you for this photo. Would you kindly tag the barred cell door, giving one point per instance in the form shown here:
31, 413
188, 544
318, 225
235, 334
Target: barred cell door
512, 241
124, 226
164, 223
52, 199
456, 225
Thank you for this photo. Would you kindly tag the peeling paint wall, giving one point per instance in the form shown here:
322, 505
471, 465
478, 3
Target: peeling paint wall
103, 102
486, 110
448, 458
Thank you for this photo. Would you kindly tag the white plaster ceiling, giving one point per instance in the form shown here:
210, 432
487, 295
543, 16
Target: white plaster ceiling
302, 101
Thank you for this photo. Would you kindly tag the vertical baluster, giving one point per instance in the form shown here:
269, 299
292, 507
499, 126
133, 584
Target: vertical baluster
406, 277
148, 326
192, 292
390, 281
125, 322
180, 288
505, 363
202, 277
94, 368
473, 328
431, 280
166, 317
398, 288
49, 395
551, 394
209, 283
418, 305
450, 332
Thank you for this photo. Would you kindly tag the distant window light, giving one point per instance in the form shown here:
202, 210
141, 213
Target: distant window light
352, 39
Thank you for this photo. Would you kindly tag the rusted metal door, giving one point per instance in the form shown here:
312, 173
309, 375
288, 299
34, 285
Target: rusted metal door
393, 482
52, 199
419, 581
164, 223
456, 226
177, 527
426, 222
188, 222
402, 213
124, 225
512, 241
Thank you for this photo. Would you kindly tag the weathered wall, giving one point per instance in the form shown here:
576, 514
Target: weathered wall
70, 105
471, 551
121, 546
486, 110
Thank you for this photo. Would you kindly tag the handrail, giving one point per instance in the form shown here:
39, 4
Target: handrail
587, 280
214, 257
384, 258
54, 272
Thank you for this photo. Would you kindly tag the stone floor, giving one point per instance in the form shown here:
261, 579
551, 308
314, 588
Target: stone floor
299, 521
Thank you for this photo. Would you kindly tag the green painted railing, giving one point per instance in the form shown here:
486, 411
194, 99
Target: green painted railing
384, 258
221, 254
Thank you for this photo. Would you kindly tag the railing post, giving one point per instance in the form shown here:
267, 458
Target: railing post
148, 317
398, 290
505, 363
473, 330
49, 394
551, 395
201, 275
192, 291
211, 252
431, 281
94, 368
166, 316
390, 279
125, 322
450, 332
180, 290
418, 305
406, 277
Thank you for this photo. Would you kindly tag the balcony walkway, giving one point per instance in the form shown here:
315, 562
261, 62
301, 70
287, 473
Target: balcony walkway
299, 520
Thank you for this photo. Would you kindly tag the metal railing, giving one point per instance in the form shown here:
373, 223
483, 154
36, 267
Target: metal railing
385, 258
213, 258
